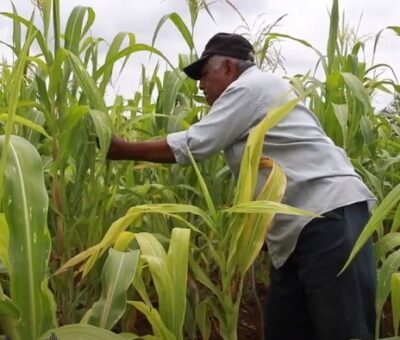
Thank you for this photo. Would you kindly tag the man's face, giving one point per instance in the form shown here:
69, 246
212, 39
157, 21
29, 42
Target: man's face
214, 80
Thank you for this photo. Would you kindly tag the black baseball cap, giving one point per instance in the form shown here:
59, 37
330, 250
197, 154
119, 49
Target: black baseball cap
223, 44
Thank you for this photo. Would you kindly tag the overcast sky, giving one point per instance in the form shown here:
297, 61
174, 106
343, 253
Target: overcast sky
306, 19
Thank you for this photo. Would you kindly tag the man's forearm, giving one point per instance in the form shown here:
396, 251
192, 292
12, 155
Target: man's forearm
152, 151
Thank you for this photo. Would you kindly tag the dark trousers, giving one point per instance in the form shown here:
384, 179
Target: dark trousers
307, 300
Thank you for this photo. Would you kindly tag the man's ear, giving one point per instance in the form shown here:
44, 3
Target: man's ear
229, 67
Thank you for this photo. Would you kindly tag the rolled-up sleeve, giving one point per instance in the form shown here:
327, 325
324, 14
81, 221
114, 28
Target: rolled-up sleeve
177, 141
229, 119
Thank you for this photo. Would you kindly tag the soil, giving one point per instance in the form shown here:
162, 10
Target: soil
387, 321
250, 318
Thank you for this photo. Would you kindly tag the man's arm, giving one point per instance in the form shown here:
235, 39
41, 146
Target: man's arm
157, 151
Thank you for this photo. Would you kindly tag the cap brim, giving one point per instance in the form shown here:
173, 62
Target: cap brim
194, 70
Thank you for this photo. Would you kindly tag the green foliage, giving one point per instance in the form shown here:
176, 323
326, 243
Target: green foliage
169, 273
116, 277
179, 250
395, 291
81, 332
28, 245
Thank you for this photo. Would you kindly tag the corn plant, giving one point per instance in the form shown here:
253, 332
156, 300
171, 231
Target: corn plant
81, 332
343, 103
63, 110
30, 308
117, 275
386, 252
54, 99
234, 238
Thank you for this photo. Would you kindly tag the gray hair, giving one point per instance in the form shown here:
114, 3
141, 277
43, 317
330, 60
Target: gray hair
216, 61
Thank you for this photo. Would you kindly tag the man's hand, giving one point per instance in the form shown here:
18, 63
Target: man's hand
117, 148
157, 151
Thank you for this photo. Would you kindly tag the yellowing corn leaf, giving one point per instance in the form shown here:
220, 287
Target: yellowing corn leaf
123, 240
252, 154
158, 326
251, 236
169, 273
4, 239
117, 275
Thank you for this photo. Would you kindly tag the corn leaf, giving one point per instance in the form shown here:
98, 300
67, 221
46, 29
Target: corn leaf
16, 79
396, 220
56, 75
169, 272
333, 37
159, 328
177, 263
172, 83
204, 189
29, 243
251, 235
244, 233
112, 52
150, 246
117, 275
357, 89
386, 244
179, 24
16, 33
202, 276
8, 309
395, 291
26, 122
4, 241
389, 267
130, 218
36, 33
379, 214
80, 332
123, 240
395, 29
136, 212
342, 115
82, 256
86, 82
9, 317
46, 11
131, 336
102, 126
203, 319
77, 28
260, 207
249, 167
139, 284
128, 51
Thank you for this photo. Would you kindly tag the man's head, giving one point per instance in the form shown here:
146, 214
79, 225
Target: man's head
224, 58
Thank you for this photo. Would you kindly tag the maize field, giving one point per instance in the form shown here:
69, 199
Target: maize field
94, 249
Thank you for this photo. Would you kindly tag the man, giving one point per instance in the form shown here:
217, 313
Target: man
307, 299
